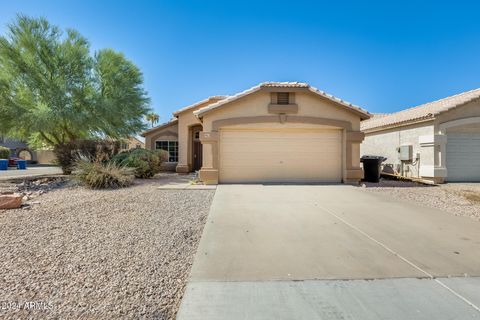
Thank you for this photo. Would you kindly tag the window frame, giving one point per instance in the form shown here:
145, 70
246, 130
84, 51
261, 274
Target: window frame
171, 148
285, 95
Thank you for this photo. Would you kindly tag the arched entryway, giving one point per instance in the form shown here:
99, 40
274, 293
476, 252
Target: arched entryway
197, 150
25, 154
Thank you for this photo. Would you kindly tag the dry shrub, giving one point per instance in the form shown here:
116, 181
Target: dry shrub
473, 197
95, 150
99, 175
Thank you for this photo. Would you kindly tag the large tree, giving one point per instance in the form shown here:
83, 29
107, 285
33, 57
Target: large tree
52, 90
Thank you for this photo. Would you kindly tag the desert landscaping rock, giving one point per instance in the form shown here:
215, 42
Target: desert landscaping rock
10, 201
108, 254
452, 197
33, 187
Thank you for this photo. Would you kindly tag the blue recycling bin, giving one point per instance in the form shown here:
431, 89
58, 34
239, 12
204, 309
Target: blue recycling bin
3, 164
21, 164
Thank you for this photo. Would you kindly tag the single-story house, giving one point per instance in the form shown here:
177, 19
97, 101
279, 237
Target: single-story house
272, 132
437, 141
18, 148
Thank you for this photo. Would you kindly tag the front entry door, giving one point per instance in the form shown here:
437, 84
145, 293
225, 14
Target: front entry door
197, 150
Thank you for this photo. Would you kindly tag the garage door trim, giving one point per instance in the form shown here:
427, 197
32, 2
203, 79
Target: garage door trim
268, 162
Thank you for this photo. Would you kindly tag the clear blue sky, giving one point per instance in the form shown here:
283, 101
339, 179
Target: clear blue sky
383, 56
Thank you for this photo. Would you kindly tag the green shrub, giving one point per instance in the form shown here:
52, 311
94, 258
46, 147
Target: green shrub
4, 153
99, 175
146, 163
121, 157
163, 155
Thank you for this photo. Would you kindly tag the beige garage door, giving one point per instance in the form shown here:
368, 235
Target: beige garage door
280, 155
463, 157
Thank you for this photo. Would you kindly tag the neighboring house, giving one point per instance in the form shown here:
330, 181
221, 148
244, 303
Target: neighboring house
21, 149
439, 141
272, 132
131, 143
18, 148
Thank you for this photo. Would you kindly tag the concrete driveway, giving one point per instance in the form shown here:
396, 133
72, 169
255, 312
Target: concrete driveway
331, 252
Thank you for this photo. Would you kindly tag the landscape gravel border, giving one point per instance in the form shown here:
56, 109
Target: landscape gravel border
449, 197
79, 253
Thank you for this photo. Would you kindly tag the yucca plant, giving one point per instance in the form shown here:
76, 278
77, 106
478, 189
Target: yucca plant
98, 175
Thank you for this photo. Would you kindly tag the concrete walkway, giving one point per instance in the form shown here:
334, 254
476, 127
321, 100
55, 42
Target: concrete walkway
311, 252
175, 181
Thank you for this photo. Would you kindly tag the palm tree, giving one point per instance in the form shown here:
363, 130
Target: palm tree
152, 117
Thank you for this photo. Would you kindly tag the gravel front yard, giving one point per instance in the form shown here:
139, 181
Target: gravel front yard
80, 253
461, 199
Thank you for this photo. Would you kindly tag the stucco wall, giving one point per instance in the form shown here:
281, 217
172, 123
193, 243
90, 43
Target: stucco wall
166, 133
135, 143
469, 110
311, 107
385, 143
185, 121
256, 104
45, 156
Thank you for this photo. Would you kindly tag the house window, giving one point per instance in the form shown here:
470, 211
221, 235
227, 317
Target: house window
283, 98
171, 147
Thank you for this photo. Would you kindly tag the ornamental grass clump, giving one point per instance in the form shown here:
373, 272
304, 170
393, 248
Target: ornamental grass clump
67, 154
102, 175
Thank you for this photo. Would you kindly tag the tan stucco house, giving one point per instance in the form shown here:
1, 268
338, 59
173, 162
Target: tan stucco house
131, 143
437, 141
272, 132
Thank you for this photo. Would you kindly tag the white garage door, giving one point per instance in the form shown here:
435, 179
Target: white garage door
281, 155
463, 157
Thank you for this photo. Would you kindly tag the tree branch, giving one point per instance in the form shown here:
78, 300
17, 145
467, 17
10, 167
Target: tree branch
44, 136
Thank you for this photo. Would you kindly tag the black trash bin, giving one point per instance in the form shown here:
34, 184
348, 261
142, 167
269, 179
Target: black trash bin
371, 167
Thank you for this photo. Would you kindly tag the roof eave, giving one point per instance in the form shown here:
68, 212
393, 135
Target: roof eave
350, 107
162, 126
457, 106
200, 112
399, 124
196, 104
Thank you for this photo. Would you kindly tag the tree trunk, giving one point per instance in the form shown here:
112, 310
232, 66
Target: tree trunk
64, 155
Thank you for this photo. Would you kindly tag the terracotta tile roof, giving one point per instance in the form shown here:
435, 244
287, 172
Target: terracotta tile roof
379, 115
363, 113
196, 104
422, 112
161, 126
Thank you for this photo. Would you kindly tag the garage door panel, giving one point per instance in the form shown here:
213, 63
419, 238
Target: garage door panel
283, 163
463, 157
280, 156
